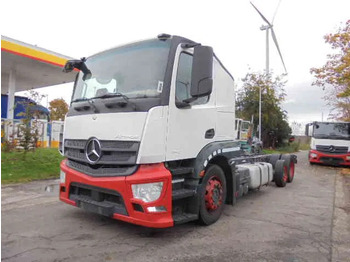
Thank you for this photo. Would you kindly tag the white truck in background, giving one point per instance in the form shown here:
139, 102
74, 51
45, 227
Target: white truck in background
148, 137
245, 136
330, 143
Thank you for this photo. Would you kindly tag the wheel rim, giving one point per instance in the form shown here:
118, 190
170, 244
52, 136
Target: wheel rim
213, 194
292, 170
285, 174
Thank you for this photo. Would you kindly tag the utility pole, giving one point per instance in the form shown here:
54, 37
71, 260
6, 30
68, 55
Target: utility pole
266, 27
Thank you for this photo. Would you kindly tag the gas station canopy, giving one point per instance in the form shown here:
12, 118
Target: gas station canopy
25, 66
33, 66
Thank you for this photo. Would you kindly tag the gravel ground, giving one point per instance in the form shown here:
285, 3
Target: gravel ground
309, 220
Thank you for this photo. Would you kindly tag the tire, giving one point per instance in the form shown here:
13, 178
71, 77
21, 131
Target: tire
273, 159
290, 166
281, 173
212, 195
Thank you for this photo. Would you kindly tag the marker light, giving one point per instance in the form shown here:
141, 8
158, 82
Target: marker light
156, 209
147, 192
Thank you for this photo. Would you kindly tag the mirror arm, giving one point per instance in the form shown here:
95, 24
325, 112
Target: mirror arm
182, 104
190, 100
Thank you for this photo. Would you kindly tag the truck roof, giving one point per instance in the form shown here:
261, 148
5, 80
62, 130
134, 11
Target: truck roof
330, 122
175, 40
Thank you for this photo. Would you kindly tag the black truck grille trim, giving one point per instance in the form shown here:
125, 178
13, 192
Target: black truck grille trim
102, 170
98, 200
118, 158
332, 149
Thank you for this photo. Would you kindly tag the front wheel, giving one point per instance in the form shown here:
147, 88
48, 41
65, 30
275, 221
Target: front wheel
212, 195
289, 162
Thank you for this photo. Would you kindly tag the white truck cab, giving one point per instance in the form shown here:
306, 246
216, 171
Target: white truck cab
148, 137
330, 143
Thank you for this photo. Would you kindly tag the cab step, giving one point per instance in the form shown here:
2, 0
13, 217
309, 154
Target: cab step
184, 218
183, 193
182, 171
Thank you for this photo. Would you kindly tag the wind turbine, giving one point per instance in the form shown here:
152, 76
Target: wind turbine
268, 27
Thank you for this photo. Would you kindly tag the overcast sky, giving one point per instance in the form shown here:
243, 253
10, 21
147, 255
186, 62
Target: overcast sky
232, 28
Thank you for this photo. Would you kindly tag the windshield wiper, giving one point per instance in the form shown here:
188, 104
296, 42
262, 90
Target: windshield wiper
80, 99
109, 95
121, 104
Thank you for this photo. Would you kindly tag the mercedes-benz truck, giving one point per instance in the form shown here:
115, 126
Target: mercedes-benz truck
148, 137
330, 143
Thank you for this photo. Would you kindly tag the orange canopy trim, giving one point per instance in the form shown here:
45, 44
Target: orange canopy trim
24, 51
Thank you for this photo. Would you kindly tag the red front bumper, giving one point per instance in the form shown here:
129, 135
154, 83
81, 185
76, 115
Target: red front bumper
331, 159
144, 174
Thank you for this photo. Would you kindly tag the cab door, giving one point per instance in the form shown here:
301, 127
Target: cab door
191, 120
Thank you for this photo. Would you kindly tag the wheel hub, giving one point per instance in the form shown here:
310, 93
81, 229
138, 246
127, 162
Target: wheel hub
213, 194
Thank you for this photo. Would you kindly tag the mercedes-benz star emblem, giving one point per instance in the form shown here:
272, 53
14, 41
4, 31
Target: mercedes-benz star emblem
331, 149
93, 150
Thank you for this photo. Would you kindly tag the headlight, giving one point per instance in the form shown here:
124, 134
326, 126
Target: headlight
147, 192
62, 177
313, 146
313, 155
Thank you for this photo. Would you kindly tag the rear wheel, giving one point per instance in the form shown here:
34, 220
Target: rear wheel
212, 195
281, 173
272, 159
290, 167
291, 172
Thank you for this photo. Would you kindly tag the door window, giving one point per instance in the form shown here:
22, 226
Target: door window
183, 80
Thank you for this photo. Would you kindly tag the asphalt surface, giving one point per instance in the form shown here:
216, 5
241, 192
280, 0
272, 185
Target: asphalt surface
308, 220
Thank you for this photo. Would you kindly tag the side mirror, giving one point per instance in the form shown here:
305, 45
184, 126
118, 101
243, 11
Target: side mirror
202, 71
71, 64
78, 64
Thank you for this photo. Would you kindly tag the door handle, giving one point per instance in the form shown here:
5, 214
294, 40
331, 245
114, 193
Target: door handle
210, 133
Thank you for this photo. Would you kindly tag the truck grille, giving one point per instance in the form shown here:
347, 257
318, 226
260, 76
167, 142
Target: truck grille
332, 160
118, 158
332, 149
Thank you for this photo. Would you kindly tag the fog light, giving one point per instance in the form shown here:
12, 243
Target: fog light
156, 209
62, 177
147, 192
313, 155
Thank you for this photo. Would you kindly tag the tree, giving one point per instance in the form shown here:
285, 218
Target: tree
275, 128
29, 130
336, 73
58, 109
297, 128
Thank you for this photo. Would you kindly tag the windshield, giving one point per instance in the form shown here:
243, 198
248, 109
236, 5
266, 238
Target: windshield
136, 71
332, 130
